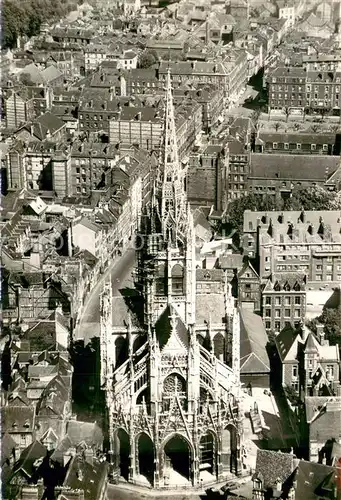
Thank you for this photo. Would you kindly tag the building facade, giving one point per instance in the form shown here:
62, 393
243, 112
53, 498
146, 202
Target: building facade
170, 418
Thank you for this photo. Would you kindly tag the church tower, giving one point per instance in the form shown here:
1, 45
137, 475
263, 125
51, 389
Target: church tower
173, 403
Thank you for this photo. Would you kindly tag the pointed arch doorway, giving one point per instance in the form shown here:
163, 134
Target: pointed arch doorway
177, 461
123, 453
146, 457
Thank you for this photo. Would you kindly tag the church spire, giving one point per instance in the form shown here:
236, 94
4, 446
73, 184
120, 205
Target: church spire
173, 198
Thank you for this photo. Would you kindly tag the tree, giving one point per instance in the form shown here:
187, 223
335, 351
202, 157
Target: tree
297, 126
324, 112
25, 78
147, 58
312, 198
287, 112
331, 319
236, 209
277, 126
315, 128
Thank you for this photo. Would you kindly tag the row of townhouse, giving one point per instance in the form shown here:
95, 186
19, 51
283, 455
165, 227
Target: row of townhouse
305, 242
40, 234
297, 90
40, 434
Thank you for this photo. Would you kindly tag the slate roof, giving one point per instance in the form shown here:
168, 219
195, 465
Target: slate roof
315, 480
18, 419
295, 167
26, 461
53, 398
7, 446
315, 407
232, 261
287, 344
51, 73
253, 340
163, 328
90, 480
62, 448
210, 275
273, 465
88, 432
44, 124
296, 137
210, 306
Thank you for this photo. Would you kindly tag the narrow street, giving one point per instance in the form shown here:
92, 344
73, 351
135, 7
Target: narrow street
120, 271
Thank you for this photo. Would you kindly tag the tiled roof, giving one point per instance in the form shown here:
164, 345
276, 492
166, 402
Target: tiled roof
253, 341
273, 465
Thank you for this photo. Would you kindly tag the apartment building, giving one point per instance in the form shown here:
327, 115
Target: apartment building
23, 105
287, 89
89, 162
97, 108
296, 90
143, 126
229, 73
304, 242
284, 300
286, 10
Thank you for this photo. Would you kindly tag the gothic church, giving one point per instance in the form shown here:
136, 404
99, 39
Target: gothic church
171, 374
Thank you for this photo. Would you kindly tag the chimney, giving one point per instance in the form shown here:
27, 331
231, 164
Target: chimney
281, 218
207, 31
91, 103
139, 116
69, 241
320, 334
278, 485
304, 333
303, 216
89, 456
311, 229
80, 475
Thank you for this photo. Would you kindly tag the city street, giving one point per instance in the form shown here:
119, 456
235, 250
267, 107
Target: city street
119, 493
120, 271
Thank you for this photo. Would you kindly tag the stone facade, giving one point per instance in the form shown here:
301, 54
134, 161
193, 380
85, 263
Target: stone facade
171, 374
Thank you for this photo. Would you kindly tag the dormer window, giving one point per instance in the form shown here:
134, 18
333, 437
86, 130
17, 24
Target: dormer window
257, 484
313, 147
274, 145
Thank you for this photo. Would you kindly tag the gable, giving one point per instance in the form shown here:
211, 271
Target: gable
252, 364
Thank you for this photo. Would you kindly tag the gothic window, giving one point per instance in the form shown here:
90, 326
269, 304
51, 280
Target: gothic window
161, 280
178, 280
173, 385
